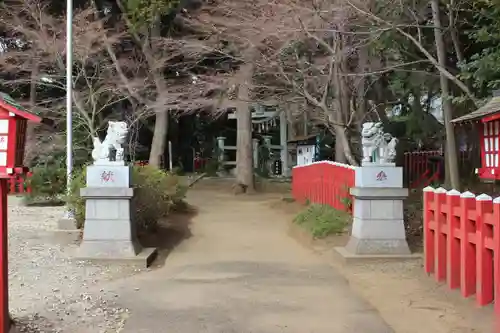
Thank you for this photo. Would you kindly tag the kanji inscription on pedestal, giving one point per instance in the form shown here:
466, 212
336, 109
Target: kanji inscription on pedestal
107, 176
381, 176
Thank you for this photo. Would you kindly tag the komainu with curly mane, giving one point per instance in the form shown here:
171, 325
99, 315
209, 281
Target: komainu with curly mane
115, 137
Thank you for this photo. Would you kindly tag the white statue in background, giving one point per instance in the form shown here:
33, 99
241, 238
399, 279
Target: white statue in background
378, 147
388, 149
115, 137
371, 138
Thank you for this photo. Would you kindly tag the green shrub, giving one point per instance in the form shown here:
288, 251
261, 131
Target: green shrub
156, 194
73, 200
47, 182
322, 220
212, 167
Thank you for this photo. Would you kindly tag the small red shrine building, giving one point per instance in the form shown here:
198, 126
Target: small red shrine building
487, 121
13, 124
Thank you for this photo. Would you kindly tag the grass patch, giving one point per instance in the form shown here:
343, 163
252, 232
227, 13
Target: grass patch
322, 220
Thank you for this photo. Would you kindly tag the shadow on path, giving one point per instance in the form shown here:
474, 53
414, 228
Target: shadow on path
169, 233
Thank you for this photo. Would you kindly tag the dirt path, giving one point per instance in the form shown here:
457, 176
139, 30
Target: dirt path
412, 302
240, 272
408, 299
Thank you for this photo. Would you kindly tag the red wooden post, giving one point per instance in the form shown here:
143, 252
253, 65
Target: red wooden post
453, 245
496, 253
303, 185
4, 283
322, 169
12, 184
467, 249
440, 230
20, 183
315, 183
484, 256
306, 174
429, 251
329, 186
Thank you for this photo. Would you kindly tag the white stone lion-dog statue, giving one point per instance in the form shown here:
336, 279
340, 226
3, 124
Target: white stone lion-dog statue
389, 148
371, 140
115, 137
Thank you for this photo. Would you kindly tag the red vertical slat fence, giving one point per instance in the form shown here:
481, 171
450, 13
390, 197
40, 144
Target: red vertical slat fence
18, 184
325, 183
462, 243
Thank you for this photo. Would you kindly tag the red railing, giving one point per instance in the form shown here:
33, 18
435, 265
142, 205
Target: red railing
18, 183
462, 242
325, 182
420, 172
141, 163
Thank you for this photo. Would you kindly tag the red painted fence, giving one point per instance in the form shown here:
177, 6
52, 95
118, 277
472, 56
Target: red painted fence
18, 184
324, 182
462, 242
419, 171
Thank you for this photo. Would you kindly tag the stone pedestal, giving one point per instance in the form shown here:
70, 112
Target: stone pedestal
109, 232
378, 228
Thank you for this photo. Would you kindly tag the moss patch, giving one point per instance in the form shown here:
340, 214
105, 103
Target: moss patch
323, 220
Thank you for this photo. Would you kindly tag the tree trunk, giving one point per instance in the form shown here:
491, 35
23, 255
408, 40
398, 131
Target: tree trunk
162, 117
244, 153
451, 146
159, 139
343, 151
339, 150
341, 137
29, 152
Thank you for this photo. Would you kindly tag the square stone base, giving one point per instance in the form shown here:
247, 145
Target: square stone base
128, 253
379, 176
351, 258
371, 246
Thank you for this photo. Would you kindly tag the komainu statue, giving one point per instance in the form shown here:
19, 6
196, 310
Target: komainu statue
115, 137
371, 138
378, 147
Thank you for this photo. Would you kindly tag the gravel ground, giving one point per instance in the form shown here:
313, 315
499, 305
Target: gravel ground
50, 292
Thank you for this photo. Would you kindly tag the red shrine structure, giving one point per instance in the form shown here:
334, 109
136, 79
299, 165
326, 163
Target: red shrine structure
13, 123
487, 121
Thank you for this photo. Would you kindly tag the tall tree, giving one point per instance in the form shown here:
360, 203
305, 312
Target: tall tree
451, 145
246, 26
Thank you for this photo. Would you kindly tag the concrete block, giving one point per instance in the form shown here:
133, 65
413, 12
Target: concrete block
370, 193
109, 230
110, 234
378, 209
379, 175
107, 248
107, 192
373, 229
108, 175
107, 209
378, 246
142, 259
378, 226
352, 258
